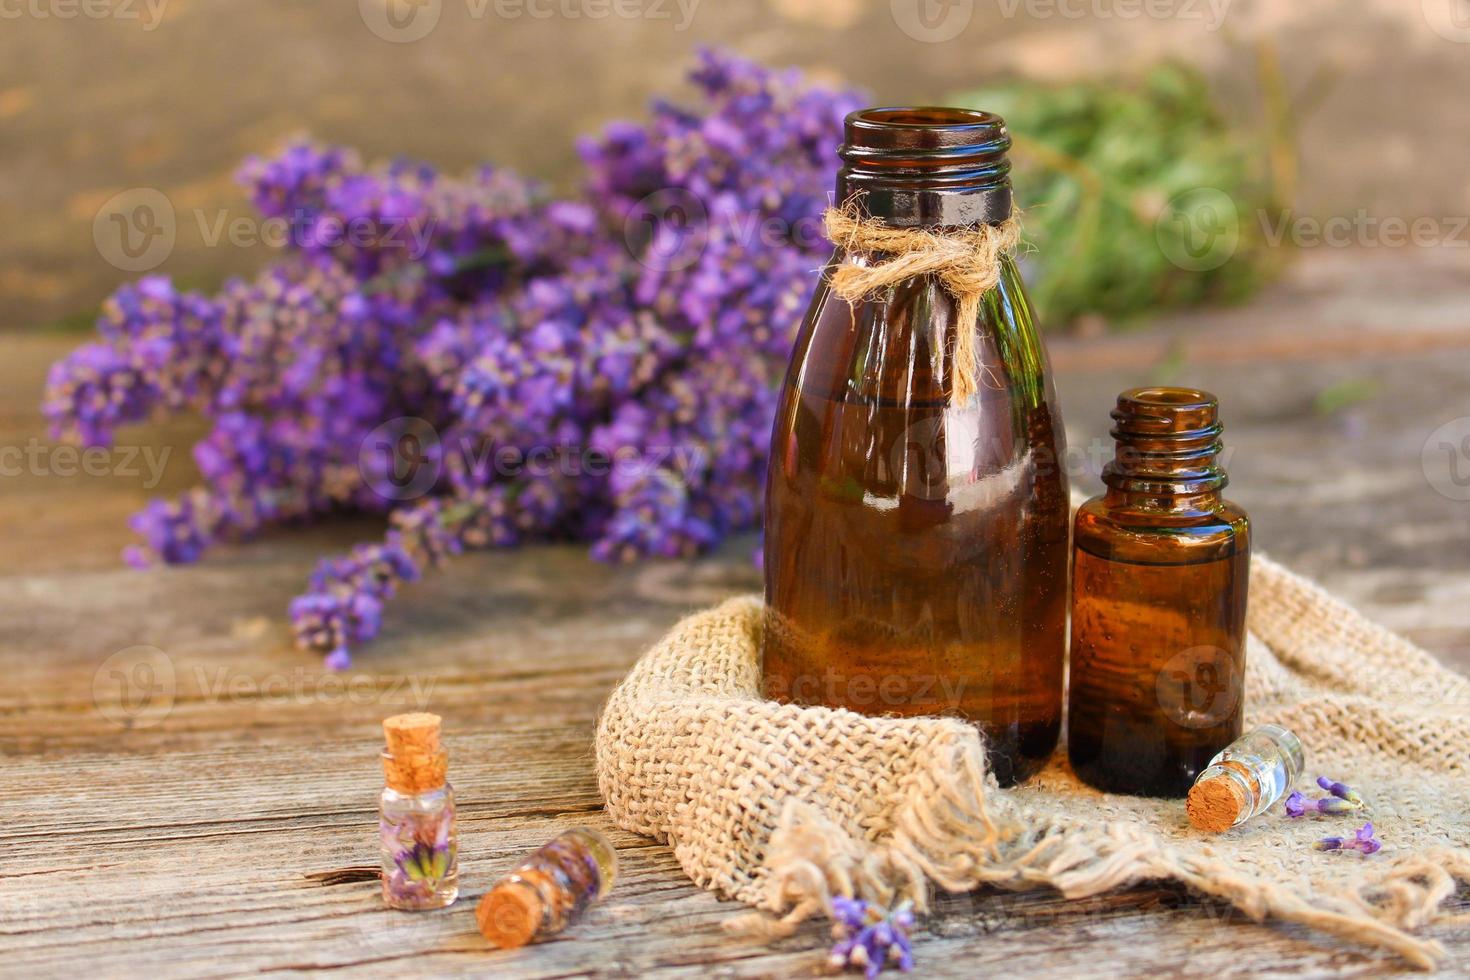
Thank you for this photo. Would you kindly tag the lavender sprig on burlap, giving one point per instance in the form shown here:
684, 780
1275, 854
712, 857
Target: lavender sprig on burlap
1341, 790
1298, 804
1363, 841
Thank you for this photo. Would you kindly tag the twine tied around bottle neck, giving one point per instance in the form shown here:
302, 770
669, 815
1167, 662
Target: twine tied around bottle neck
966, 261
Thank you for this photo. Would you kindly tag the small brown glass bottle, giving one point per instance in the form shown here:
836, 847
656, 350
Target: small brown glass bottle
916, 539
1160, 571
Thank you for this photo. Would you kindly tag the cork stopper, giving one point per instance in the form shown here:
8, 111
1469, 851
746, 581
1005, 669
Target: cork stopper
414, 761
510, 914
1215, 805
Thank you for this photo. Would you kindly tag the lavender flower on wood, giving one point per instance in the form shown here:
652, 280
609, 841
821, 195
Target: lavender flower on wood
867, 936
512, 325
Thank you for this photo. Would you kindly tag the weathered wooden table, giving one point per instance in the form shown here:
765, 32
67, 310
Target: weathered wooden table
161, 823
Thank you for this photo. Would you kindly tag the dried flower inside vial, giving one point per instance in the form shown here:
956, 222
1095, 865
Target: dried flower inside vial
422, 847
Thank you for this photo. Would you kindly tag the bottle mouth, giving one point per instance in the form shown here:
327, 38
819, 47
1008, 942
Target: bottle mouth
926, 165
1169, 399
924, 132
1175, 414
1167, 438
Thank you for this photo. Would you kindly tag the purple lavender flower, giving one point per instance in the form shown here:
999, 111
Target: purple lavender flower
511, 323
867, 937
1298, 805
422, 852
1363, 841
1341, 790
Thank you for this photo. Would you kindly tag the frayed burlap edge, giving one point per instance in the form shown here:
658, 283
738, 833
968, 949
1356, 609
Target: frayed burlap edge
811, 860
783, 807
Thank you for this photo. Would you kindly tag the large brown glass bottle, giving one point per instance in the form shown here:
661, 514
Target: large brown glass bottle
916, 545
1161, 566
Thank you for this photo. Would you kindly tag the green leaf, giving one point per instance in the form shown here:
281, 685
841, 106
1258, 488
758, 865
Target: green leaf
1097, 165
1345, 394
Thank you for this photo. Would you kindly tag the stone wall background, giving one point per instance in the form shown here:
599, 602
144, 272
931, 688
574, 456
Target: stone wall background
98, 97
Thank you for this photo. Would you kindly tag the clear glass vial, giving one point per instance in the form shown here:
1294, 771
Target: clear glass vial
1249, 775
416, 816
549, 889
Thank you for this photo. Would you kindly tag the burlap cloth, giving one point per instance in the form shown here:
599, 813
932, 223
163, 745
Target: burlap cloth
782, 806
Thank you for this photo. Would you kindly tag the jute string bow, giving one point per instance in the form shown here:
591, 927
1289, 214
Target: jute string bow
966, 262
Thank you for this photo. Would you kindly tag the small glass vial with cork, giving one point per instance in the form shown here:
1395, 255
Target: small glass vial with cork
416, 816
1251, 774
549, 889
1160, 570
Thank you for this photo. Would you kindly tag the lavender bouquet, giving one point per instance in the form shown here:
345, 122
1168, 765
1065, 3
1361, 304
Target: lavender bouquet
484, 364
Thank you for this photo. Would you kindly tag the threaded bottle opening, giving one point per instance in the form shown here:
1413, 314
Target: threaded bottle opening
1168, 440
926, 165
1180, 413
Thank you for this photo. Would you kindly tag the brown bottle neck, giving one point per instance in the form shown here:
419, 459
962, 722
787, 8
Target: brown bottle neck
926, 166
1168, 447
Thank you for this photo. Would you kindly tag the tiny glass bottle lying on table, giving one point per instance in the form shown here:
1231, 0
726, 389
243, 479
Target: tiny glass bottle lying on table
1159, 576
416, 823
548, 890
1249, 775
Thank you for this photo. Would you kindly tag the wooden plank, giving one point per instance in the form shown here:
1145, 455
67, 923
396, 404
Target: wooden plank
189, 864
173, 843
